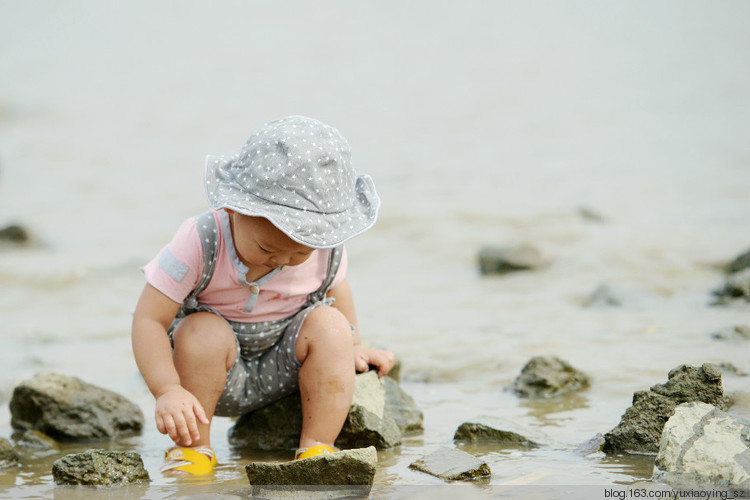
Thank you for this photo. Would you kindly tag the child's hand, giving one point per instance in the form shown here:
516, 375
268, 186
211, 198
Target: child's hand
177, 414
379, 358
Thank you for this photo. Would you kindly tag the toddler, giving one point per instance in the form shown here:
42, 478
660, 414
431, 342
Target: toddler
249, 301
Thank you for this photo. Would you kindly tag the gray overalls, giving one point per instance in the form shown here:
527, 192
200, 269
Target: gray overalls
267, 367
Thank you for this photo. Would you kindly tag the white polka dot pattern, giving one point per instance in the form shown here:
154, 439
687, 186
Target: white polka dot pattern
296, 172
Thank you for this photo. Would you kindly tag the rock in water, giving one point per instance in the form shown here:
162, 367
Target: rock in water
66, 408
100, 468
371, 419
8, 455
496, 430
549, 377
641, 426
702, 445
348, 467
452, 464
403, 408
501, 260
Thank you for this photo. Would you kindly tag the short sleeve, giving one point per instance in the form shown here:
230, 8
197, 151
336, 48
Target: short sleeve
176, 268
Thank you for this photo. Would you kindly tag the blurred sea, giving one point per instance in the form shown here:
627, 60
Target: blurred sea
481, 122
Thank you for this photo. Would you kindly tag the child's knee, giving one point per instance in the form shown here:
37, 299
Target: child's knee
204, 334
325, 325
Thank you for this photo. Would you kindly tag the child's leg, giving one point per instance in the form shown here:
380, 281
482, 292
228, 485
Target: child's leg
204, 350
326, 379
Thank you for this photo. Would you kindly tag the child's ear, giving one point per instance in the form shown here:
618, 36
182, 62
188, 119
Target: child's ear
229, 211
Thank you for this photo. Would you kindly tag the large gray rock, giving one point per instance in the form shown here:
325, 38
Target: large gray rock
452, 464
100, 468
641, 426
68, 409
348, 467
8, 454
702, 445
501, 260
501, 431
371, 420
546, 377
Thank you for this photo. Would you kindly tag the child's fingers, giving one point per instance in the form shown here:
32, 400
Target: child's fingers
200, 413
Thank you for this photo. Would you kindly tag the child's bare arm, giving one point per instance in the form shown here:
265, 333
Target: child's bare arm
176, 408
383, 360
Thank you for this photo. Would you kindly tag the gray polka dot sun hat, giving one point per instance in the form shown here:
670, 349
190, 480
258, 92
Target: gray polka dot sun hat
297, 173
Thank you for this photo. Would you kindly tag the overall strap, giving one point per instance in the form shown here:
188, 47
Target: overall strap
333, 266
206, 226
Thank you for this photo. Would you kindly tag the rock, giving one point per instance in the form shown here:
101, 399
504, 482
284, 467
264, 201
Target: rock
736, 286
736, 333
602, 296
730, 369
702, 445
14, 234
36, 440
404, 409
590, 446
591, 215
371, 419
100, 468
740, 263
68, 409
452, 464
493, 429
548, 377
348, 467
641, 426
500, 260
8, 454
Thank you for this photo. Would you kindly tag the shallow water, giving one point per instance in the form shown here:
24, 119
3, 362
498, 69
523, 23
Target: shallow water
481, 123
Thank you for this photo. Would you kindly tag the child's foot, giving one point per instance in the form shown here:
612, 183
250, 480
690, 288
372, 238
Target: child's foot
313, 451
195, 461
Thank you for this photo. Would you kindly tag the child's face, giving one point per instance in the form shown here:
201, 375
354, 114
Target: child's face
259, 243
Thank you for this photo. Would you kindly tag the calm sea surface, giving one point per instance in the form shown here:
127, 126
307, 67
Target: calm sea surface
481, 122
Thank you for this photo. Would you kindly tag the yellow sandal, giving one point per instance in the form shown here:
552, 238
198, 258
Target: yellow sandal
195, 461
313, 451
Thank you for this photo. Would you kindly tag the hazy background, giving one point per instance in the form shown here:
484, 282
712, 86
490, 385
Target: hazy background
481, 122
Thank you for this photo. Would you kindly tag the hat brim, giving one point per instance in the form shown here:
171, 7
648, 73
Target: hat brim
310, 228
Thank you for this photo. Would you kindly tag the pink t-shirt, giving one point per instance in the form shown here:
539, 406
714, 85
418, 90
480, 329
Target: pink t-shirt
175, 272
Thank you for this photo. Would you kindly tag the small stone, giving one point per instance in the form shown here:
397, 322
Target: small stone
496, 430
739, 263
452, 464
37, 440
736, 333
14, 234
590, 446
735, 287
8, 454
501, 260
100, 468
346, 467
544, 377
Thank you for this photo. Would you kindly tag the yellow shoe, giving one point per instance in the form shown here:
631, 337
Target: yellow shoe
196, 461
313, 451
